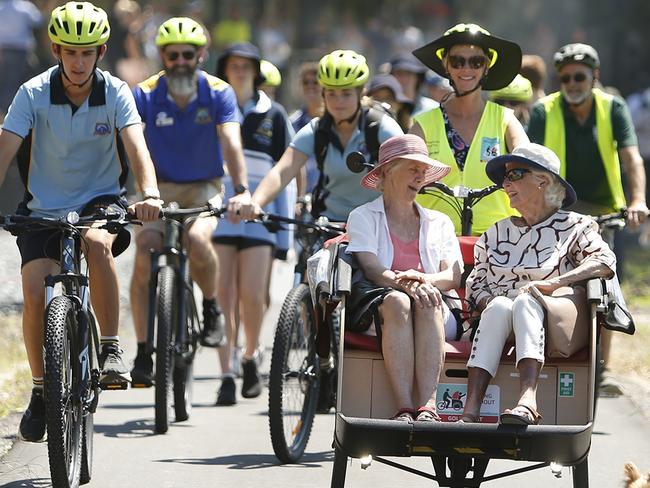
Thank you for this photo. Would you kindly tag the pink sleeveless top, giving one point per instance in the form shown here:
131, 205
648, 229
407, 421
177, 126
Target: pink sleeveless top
406, 255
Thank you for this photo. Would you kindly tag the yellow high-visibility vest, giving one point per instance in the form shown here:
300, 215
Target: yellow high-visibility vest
489, 141
555, 139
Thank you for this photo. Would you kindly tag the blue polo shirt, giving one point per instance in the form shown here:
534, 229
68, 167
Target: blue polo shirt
184, 144
70, 154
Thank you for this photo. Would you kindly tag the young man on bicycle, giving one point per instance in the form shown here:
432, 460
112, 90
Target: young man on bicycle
64, 125
192, 124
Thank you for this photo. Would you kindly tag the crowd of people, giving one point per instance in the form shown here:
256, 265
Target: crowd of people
474, 111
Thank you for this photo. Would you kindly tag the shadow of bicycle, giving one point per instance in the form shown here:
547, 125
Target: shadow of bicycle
257, 461
33, 483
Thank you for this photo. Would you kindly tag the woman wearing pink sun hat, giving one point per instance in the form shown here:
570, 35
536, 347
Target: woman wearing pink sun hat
408, 256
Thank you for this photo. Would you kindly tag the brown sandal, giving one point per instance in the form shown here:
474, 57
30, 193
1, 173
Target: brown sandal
404, 415
520, 415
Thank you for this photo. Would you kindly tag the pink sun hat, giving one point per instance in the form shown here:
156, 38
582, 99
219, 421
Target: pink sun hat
407, 146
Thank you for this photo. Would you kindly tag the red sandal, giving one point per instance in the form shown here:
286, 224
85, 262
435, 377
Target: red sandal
427, 414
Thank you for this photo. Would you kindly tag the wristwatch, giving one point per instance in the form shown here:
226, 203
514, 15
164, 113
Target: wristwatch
239, 189
151, 193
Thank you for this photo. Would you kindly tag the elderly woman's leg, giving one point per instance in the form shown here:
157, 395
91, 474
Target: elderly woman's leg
528, 326
429, 340
397, 345
492, 333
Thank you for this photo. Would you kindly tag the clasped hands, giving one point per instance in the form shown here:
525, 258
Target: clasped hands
416, 285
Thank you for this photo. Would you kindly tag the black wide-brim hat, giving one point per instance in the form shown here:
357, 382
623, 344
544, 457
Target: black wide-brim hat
243, 50
504, 57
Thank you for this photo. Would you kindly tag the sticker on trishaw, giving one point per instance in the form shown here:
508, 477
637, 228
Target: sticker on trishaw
450, 401
567, 384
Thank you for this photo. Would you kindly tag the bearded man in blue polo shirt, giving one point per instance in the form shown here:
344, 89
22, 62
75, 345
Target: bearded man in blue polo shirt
192, 124
72, 125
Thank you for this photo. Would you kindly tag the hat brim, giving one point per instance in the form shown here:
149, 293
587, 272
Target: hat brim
435, 172
499, 75
496, 171
221, 65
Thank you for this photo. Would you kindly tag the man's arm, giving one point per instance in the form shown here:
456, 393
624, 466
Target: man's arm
233, 154
9, 145
637, 210
143, 169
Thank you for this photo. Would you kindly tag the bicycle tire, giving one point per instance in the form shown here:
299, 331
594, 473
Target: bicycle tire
184, 363
165, 314
64, 414
290, 422
88, 428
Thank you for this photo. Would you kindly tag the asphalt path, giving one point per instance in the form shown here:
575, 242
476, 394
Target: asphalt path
230, 446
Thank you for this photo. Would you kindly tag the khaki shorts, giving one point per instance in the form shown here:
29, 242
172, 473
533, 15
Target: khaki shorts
187, 195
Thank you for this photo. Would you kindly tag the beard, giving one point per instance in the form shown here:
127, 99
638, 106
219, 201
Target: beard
575, 98
181, 81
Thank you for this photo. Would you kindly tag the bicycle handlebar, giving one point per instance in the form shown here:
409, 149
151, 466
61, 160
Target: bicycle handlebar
461, 191
113, 221
174, 212
321, 224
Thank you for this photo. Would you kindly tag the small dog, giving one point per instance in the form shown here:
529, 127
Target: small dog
633, 478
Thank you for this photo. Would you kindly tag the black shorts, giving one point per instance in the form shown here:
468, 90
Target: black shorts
240, 242
46, 243
364, 301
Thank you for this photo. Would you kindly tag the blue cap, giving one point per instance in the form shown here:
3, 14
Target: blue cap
390, 82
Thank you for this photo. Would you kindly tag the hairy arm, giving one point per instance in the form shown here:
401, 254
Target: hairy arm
635, 175
9, 145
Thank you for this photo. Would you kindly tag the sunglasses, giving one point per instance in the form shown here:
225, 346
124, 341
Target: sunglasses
174, 55
515, 174
578, 78
474, 62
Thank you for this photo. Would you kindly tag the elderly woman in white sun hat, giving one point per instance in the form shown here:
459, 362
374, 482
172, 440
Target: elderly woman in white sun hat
518, 260
409, 255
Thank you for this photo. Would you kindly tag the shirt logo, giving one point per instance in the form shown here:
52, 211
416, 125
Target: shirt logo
490, 148
202, 116
164, 120
102, 129
264, 132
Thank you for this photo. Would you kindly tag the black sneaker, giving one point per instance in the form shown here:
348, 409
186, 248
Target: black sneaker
213, 333
32, 425
142, 372
227, 395
115, 375
251, 387
327, 390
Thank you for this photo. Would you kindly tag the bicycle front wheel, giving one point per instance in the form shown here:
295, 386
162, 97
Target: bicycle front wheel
164, 346
64, 412
294, 376
184, 361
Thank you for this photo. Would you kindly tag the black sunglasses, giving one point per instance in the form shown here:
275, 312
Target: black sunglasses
578, 78
187, 55
515, 174
474, 62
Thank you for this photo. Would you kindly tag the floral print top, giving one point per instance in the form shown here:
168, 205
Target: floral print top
458, 146
506, 256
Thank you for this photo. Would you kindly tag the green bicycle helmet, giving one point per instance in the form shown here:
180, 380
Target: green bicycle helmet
271, 74
343, 69
519, 90
79, 24
577, 53
181, 30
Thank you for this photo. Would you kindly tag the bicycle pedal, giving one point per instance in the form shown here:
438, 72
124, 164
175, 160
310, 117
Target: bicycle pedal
141, 385
115, 386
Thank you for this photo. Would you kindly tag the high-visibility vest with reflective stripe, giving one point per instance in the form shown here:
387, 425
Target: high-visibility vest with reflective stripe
489, 141
555, 139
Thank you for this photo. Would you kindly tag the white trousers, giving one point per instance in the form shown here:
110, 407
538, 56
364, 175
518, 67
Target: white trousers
523, 316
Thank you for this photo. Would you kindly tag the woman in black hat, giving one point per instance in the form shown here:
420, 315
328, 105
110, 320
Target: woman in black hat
465, 132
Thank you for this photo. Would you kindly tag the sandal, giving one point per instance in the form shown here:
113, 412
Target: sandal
469, 418
404, 415
427, 414
520, 415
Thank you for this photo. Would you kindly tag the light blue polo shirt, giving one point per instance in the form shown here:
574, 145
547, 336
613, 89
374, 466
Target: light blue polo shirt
69, 157
345, 192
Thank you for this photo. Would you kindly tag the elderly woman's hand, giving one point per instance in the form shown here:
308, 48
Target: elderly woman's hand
545, 287
410, 274
424, 294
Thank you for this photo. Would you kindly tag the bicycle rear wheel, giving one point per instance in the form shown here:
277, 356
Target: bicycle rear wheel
294, 376
184, 362
166, 313
64, 412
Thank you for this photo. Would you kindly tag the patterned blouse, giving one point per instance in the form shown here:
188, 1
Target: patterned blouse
458, 146
506, 257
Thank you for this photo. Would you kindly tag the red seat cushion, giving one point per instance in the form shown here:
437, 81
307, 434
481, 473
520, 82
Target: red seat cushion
467, 248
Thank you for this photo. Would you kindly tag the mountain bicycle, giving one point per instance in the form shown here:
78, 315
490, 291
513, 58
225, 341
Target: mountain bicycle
296, 371
173, 326
71, 346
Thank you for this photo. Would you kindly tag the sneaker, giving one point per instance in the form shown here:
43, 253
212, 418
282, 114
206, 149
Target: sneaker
226, 394
213, 333
251, 387
327, 390
115, 375
32, 425
142, 372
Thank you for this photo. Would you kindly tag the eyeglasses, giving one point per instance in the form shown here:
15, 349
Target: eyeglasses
174, 55
474, 62
515, 174
578, 78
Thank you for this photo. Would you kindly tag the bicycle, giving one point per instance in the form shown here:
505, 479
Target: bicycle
295, 375
173, 321
71, 347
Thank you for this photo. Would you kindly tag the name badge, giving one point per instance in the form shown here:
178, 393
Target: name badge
490, 148
164, 120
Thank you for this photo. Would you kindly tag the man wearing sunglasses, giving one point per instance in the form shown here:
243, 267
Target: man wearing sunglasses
590, 131
192, 125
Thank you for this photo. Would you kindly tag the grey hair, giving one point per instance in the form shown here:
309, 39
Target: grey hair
555, 192
384, 172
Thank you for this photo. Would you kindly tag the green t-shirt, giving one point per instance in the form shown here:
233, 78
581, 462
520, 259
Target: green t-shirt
584, 166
